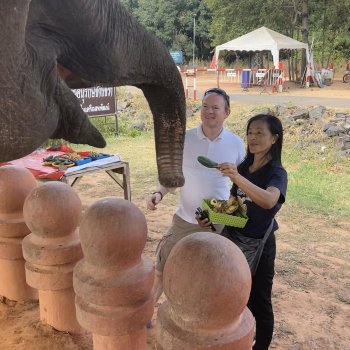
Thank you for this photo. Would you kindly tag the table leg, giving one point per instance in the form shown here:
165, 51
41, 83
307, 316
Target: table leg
125, 185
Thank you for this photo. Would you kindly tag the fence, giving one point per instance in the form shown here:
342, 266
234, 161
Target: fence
247, 78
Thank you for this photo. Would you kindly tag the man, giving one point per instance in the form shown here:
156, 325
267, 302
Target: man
211, 140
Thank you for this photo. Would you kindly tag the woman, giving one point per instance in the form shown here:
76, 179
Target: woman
261, 181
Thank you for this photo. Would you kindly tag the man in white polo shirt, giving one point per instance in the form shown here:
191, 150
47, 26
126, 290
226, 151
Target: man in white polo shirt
211, 140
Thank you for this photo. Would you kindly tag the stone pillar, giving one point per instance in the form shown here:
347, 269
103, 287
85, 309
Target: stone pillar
207, 283
113, 283
52, 212
15, 184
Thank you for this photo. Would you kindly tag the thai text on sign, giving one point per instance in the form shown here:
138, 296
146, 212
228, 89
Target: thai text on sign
96, 101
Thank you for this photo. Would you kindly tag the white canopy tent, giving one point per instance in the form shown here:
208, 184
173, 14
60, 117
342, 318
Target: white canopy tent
262, 39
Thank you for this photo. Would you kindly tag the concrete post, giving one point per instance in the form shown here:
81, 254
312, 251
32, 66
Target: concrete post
207, 283
15, 185
113, 283
52, 212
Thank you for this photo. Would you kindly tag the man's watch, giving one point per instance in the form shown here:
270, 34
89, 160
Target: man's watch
161, 194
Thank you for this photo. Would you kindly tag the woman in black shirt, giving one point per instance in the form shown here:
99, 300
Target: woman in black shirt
261, 181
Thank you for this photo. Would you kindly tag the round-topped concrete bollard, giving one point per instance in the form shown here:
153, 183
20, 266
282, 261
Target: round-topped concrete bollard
52, 212
207, 283
113, 283
15, 185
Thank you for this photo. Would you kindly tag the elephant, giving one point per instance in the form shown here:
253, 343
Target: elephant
49, 47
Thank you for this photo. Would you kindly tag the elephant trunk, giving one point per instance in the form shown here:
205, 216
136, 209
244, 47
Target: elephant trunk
169, 130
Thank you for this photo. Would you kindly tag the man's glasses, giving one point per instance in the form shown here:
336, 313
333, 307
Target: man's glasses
219, 92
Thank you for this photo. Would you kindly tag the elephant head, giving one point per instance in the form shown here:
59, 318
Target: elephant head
50, 46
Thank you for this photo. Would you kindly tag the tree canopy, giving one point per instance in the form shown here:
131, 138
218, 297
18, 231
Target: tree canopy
325, 23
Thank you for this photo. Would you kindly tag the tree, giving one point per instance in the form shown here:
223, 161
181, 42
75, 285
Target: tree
172, 22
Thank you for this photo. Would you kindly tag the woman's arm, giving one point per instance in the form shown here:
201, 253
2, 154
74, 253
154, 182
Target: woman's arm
266, 199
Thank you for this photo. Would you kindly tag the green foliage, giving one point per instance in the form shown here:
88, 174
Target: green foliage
173, 23
218, 21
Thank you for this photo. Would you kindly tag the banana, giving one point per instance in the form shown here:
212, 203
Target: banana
232, 206
240, 200
231, 209
213, 202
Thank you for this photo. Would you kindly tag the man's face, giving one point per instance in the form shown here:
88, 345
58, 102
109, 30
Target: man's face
214, 111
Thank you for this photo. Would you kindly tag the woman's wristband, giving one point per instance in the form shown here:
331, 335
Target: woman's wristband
161, 194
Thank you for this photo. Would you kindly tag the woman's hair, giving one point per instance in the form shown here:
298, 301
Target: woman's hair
275, 127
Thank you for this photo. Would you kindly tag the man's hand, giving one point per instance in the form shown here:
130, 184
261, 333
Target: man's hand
153, 200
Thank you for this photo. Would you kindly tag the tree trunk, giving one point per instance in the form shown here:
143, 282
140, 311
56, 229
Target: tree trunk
331, 48
304, 30
323, 32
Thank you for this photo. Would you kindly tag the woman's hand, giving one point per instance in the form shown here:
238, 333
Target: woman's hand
229, 170
203, 222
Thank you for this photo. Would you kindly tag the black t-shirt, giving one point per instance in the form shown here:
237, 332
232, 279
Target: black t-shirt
271, 174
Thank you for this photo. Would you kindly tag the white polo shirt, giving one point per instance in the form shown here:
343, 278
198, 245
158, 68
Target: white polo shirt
200, 181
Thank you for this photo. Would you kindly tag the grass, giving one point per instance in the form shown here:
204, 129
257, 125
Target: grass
312, 248
318, 176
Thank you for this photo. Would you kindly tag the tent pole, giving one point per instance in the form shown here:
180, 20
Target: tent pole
217, 68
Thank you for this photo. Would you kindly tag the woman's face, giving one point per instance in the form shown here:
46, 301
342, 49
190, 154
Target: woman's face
259, 137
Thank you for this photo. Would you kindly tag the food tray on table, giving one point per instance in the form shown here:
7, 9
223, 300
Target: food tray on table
83, 160
101, 156
70, 159
93, 155
224, 219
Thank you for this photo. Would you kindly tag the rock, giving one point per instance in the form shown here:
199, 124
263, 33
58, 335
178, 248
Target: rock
328, 125
334, 130
122, 105
139, 126
300, 121
345, 138
340, 116
346, 126
317, 112
267, 111
345, 146
281, 109
345, 153
300, 114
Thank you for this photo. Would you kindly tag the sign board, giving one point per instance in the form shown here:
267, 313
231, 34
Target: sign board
97, 101
231, 74
177, 56
260, 74
190, 72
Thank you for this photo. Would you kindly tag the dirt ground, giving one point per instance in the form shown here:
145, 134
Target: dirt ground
311, 307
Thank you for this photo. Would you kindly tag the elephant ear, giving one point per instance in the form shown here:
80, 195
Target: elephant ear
73, 124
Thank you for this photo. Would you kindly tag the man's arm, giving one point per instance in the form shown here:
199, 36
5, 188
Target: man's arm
156, 196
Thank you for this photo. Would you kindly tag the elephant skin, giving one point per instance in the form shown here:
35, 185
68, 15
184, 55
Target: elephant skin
49, 47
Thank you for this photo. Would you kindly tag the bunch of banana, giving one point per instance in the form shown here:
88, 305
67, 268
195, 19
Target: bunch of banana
74, 156
234, 206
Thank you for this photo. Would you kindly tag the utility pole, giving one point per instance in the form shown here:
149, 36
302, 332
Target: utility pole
194, 38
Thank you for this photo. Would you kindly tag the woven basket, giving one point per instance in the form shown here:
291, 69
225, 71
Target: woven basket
224, 219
